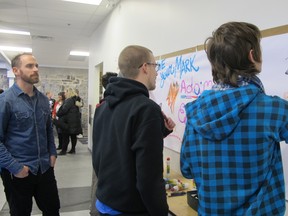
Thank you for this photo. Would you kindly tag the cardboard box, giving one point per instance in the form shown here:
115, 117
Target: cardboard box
192, 199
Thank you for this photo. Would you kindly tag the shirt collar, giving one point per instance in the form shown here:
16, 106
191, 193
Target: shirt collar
19, 91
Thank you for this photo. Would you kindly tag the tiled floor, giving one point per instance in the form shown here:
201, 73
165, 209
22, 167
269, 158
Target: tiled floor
73, 174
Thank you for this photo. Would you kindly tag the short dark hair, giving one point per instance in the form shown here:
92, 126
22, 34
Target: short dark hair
1, 91
105, 78
228, 50
62, 94
131, 58
16, 61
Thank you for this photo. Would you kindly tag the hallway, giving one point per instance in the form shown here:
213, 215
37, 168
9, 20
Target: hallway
73, 175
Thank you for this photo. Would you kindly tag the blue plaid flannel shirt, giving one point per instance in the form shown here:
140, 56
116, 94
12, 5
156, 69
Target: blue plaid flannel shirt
231, 149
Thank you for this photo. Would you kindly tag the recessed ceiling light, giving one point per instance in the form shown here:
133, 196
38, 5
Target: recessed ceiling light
92, 2
17, 49
5, 31
79, 53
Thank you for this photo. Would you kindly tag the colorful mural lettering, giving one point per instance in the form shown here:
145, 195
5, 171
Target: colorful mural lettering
181, 79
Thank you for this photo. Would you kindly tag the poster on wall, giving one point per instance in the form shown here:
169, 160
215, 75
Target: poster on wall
274, 76
181, 79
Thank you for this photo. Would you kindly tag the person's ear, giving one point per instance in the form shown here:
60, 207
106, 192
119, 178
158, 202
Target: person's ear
258, 65
251, 56
144, 68
15, 70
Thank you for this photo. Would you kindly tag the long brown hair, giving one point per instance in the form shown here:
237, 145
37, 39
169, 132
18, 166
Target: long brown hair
228, 50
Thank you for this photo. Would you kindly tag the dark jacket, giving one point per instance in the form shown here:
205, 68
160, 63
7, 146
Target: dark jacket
128, 134
69, 114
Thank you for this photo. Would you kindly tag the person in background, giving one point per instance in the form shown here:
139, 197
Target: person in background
93, 211
27, 148
51, 100
105, 78
231, 141
79, 102
57, 105
69, 113
128, 132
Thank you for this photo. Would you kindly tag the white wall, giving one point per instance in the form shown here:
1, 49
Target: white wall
165, 26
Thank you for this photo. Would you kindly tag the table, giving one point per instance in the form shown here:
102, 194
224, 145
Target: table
178, 205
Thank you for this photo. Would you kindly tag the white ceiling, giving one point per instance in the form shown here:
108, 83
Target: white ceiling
56, 28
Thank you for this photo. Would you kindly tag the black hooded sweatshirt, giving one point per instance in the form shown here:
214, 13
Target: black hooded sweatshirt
128, 134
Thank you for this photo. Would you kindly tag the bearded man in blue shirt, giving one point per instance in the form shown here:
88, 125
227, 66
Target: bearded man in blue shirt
231, 141
27, 148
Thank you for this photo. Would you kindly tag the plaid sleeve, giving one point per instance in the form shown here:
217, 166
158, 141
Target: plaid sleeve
184, 161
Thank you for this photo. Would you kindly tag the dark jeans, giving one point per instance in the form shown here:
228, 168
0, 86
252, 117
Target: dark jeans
60, 139
19, 193
65, 141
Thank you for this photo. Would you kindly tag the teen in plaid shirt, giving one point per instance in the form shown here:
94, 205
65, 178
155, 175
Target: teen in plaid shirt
231, 141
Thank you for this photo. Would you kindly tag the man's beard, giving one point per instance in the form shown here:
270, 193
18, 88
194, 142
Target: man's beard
31, 79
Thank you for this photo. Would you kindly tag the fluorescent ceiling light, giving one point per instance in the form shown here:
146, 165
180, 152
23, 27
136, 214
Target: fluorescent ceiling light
17, 49
14, 32
91, 2
79, 53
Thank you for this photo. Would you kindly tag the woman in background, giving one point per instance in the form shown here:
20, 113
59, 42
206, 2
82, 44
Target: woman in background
69, 114
80, 104
57, 105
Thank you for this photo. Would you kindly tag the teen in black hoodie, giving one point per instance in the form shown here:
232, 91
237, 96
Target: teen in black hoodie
128, 134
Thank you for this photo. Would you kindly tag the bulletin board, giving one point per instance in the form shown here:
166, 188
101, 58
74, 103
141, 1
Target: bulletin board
274, 76
185, 74
181, 79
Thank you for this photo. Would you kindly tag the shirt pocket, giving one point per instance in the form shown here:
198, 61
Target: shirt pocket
24, 120
43, 117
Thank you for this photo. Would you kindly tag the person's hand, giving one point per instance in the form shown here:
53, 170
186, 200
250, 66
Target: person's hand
23, 173
52, 160
169, 123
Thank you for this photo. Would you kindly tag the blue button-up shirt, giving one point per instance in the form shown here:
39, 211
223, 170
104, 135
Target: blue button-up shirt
26, 132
